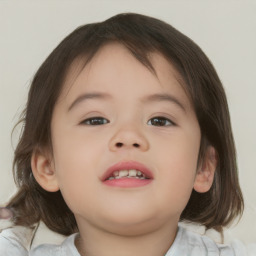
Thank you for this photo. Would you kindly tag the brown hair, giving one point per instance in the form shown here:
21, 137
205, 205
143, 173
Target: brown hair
141, 35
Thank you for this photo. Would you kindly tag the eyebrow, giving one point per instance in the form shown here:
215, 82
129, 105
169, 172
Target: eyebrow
88, 96
158, 97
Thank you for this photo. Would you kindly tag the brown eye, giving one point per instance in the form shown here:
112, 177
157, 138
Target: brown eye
95, 121
160, 121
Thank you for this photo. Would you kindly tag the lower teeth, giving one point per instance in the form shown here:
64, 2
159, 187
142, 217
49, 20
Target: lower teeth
113, 178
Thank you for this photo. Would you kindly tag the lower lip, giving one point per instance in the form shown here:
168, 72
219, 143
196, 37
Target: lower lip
127, 182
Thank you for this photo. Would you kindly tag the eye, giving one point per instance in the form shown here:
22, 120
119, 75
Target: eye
95, 121
160, 121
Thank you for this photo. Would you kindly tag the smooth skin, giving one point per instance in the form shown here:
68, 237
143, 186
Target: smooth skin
162, 134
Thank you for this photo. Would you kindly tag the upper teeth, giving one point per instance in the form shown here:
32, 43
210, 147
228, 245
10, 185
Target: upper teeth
127, 173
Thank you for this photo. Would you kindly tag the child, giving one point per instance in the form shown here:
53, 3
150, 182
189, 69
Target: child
126, 133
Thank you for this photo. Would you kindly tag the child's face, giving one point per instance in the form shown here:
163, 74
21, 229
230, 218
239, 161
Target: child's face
83, 152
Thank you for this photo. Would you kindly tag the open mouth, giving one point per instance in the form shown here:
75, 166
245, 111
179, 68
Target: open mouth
127, 174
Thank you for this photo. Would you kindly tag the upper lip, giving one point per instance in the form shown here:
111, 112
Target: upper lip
127, 165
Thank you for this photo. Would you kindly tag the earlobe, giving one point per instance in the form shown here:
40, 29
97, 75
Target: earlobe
205, 174
43, 171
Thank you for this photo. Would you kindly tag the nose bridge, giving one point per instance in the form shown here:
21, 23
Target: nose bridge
129, 135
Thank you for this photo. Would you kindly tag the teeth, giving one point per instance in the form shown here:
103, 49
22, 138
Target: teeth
123, 173
116, 173
127, 173
132, 173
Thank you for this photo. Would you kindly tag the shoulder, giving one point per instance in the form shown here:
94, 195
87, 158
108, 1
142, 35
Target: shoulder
12, 242
67, 248
193, 244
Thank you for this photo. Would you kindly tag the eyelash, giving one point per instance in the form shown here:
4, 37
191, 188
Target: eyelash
92, 119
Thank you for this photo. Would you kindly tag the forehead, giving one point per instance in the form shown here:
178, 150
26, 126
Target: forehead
114, 61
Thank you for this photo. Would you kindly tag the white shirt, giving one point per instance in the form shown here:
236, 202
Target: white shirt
186, 243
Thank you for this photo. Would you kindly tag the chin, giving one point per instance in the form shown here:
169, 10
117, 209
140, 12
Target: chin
129, 224
130, 229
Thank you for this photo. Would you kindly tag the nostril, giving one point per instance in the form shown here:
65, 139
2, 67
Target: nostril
119, 144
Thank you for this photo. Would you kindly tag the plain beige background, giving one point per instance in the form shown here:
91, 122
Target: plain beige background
225, 30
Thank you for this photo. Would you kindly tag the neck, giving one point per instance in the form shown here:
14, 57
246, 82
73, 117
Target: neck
93, 241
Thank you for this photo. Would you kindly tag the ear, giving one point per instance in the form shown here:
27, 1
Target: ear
43, 170
205, 174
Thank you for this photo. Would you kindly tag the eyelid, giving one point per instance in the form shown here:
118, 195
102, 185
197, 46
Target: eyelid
83, 122
156, 115
166, 118
165, 115
90, 115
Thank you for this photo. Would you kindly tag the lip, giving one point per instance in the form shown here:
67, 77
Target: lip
127, 165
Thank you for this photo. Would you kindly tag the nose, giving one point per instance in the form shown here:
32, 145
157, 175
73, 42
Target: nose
128, 138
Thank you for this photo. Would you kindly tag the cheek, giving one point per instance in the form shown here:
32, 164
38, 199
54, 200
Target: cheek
176, 185
75, 150
178, 153
177, 163
76, 159
77, 182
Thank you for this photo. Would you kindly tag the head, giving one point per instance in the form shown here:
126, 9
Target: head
160, 53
